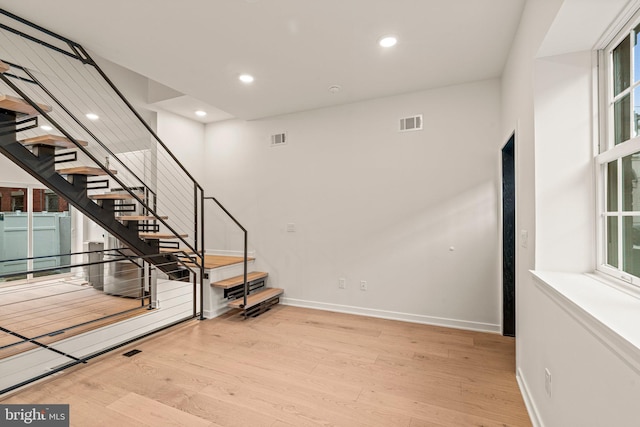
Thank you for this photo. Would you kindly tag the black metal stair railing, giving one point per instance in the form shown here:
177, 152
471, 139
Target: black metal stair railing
60, 81
245, 250
51, 69
49, 325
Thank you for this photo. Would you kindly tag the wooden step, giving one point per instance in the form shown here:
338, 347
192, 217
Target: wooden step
174, 250
53, 141
139, 217
216, 261
115, 196
144, 235
3, 67
84, 170
256, 298
239, 280
19, 105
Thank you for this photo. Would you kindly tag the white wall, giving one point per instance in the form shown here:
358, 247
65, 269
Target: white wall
591, 384
370, 203
565, 185
549, 101
517, 116
185, 138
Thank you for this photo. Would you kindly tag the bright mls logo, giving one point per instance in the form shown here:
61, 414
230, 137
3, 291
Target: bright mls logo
34, 415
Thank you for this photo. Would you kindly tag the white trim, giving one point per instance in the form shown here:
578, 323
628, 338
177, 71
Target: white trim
212, 314
534, 414
393, 315
593, 306
621, 150
621, 21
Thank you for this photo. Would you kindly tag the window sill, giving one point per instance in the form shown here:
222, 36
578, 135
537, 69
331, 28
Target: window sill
609, 313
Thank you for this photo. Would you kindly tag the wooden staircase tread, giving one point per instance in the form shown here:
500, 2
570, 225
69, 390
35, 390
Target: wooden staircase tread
217, 261
257, 297
115, 196
174, 250
19, 105
84, 170
239, 280
53, 141
144, 235
3, 67
139, 217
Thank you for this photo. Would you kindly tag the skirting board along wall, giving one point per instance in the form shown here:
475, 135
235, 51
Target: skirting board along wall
392, 315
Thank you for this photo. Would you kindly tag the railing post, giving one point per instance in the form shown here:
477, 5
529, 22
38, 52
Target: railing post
246, 284
202, 250
244, 230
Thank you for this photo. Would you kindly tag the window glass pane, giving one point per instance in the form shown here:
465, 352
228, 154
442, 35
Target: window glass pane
621, 66
612, 241
621, 117
636, 111
612, 186
13, 233
631, 245
630, 193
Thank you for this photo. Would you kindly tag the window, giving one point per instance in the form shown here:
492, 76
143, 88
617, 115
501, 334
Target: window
619, 158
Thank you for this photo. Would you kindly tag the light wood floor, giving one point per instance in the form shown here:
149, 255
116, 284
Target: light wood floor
295, 367
37, 308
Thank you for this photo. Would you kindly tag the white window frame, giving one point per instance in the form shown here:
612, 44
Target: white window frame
609, 152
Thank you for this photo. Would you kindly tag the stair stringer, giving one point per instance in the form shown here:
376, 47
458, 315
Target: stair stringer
42, 168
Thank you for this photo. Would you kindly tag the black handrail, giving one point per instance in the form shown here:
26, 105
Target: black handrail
82, 125
246, 290
79, 53
82, 55
42, 112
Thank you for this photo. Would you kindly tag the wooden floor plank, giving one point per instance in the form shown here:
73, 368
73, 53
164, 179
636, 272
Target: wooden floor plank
298, 367
152, 413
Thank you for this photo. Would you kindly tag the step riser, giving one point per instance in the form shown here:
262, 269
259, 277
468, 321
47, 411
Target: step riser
261, 308
238, 291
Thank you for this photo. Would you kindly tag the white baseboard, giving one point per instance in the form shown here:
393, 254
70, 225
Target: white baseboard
534, 416
212, 314
392, 315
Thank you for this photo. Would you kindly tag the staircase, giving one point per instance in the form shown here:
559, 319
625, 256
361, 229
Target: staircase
38, 156
48, 79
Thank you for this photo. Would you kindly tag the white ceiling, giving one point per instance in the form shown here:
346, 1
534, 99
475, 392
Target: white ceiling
296, 49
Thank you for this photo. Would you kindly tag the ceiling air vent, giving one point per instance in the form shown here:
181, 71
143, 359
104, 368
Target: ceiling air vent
278, 139
411, 123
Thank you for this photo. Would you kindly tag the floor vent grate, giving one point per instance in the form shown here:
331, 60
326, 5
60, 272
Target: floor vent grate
132, 353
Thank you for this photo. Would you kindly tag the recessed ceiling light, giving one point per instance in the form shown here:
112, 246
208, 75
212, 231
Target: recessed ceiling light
334, 89
388, 41
46, 128
201, 113
92, 116
246, 78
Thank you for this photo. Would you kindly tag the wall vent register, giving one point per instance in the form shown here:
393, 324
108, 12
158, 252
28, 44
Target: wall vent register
411, 123
278, 139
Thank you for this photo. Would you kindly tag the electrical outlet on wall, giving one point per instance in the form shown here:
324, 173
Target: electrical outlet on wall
342, 283
524, 238
363, 285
